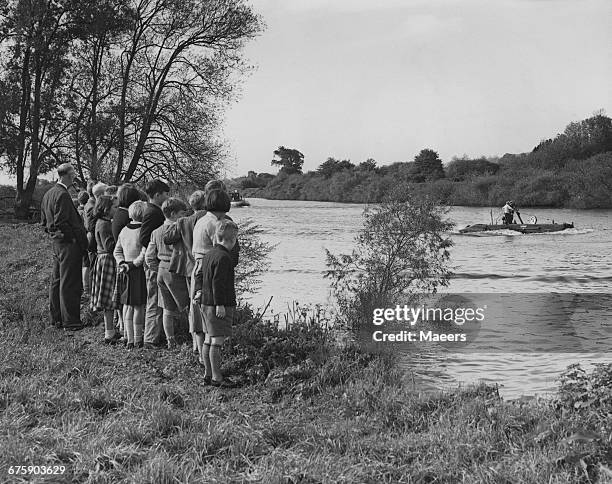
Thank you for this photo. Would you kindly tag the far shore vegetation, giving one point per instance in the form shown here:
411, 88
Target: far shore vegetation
571, 170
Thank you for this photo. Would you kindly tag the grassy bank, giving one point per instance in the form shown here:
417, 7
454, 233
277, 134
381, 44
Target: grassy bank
307, 412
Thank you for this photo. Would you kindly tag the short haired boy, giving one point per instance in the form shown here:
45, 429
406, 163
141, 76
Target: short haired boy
216, 293
157, 192
173, 294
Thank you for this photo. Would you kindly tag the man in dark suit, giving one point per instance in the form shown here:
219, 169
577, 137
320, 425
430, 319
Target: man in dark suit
62, 222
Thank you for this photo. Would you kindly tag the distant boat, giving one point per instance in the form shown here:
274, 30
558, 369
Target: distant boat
237, 200
522, 228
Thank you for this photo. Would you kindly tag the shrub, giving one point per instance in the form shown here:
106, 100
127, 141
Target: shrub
401, 250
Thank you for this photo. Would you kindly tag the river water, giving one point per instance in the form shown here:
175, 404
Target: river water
528, 269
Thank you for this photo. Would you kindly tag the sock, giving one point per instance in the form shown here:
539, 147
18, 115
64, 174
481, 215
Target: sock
168, 320
206, 360
129, 329
215, 362
109, 325
138, 332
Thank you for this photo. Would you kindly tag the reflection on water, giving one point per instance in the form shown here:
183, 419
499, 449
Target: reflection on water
573, 261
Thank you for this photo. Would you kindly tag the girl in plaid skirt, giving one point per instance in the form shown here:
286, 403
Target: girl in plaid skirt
105, 271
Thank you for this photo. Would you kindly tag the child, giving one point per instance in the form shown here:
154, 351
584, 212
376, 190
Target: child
104, 271
83, 199
180, 236
129, 255
173, 295
216, 294
217, 203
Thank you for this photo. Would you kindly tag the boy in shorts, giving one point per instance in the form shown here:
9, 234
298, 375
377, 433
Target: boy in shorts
173, 295
216, 294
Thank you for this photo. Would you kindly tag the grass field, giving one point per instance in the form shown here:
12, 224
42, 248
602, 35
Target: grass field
309, 411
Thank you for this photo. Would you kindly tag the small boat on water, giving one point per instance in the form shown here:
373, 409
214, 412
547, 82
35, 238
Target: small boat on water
522, 228
237, 200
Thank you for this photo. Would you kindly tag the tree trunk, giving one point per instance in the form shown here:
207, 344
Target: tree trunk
23, 200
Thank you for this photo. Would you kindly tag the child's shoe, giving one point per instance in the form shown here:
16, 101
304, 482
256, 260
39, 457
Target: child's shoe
171, 343
130, 346
138, 345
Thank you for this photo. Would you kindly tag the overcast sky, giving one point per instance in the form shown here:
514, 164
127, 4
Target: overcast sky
384, 79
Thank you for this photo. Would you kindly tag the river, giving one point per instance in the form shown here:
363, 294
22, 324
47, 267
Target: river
526, 268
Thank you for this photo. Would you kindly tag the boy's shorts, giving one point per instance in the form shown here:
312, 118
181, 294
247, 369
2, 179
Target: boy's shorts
214, 326
173, 294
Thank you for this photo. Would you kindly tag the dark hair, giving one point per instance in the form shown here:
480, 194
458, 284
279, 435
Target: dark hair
215, 185
172, 205
218, 201
156, 186
82, 197
143, 196
127, 194
103, 206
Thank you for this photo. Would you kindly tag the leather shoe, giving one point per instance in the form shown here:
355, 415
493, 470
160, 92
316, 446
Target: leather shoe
112, 341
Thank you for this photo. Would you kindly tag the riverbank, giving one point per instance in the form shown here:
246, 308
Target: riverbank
308, 411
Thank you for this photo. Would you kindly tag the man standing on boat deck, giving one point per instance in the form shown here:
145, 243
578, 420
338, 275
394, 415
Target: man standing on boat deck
63, 223
509, 210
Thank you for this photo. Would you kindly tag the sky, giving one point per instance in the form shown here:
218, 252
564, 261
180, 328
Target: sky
358, 79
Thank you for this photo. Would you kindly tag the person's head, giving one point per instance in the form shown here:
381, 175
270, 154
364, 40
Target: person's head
157, 191
511, 203
66, 174
98, 189
127, 194
173, 208
218, 201
104, 207
90, 185
111, 190
227, 233
197, 200
215, 185
136, 210
82, 197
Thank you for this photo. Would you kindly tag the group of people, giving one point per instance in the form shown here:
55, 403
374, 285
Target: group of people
144, 258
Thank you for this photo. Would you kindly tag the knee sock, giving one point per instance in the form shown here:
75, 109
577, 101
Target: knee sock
215, 362
168, 325
206, 359
109, 325
129, 329
138, 332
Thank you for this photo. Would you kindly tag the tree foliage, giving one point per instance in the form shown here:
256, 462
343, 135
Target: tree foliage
428, 166
290, 160
126, 89
557, 173
331, 166
401, 250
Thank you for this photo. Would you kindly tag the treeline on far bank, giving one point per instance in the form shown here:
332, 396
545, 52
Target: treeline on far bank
572, 170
